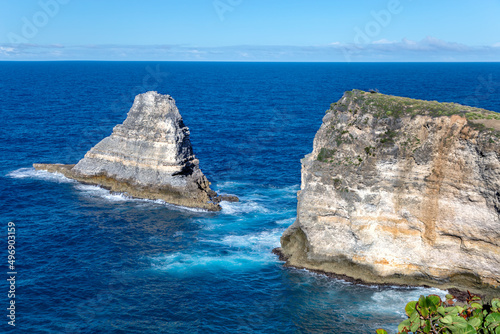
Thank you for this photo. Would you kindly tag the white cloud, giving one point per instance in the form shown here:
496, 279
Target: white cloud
427, 49
443, 45
6, 50
408, 42
383, 41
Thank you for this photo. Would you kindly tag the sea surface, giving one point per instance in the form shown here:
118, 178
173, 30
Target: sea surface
89, 261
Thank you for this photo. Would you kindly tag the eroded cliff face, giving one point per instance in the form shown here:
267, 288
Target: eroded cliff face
148, 156
401, 191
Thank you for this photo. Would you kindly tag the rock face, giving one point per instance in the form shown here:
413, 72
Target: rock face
148, 156
401, 191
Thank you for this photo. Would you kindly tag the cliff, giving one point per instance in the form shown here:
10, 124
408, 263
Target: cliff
402, 191
148, 156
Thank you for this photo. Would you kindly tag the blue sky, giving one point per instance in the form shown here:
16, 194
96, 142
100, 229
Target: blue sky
250, 30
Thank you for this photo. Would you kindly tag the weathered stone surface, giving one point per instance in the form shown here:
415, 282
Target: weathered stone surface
400, 191
148, 156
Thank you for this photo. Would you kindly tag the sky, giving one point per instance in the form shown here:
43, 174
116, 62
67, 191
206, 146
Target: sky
251, 30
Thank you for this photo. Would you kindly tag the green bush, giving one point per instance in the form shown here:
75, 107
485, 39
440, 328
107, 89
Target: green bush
325, 154
431, 315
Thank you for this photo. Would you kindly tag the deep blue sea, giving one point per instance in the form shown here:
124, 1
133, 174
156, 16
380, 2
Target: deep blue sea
89, 261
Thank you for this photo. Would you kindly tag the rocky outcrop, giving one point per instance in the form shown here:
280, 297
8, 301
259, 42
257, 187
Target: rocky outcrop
401, 191
148, 156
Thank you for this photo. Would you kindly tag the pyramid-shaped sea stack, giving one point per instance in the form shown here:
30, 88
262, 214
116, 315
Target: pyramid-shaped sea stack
148, 156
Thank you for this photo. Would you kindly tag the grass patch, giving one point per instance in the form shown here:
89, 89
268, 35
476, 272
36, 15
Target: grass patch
395, 106
388, 106
388, 137
325, 155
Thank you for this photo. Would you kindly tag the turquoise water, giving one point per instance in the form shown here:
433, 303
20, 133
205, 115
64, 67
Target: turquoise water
94, 262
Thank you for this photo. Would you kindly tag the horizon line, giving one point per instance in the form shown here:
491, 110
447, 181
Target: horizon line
244, 61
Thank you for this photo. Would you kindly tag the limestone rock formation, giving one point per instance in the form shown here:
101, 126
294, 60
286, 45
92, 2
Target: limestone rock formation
401, 191
148, 156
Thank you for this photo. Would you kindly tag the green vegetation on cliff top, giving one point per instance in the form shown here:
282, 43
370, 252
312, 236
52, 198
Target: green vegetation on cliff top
381, 106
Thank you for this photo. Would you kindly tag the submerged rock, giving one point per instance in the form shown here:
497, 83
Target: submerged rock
148, 156
401, 191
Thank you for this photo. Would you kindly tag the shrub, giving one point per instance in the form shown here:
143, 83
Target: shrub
431, 315
325, 154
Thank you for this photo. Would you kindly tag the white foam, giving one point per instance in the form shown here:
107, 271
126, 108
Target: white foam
286, 222
231, 184
194, 263
32, 173
257, 192
293, 188
394, 300
98, 192
209, 225
289, 192
235, 208
262, 241
242, 252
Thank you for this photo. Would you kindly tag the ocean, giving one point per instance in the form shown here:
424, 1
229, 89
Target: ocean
88, 261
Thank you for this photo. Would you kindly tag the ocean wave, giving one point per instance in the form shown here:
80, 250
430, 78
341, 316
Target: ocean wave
96, 191
225, 185
242, 252
243, 207
293, 188
197, 262
253, 190
394, 300
32, 173
262, 241
284, 192
286, 221
263, 199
